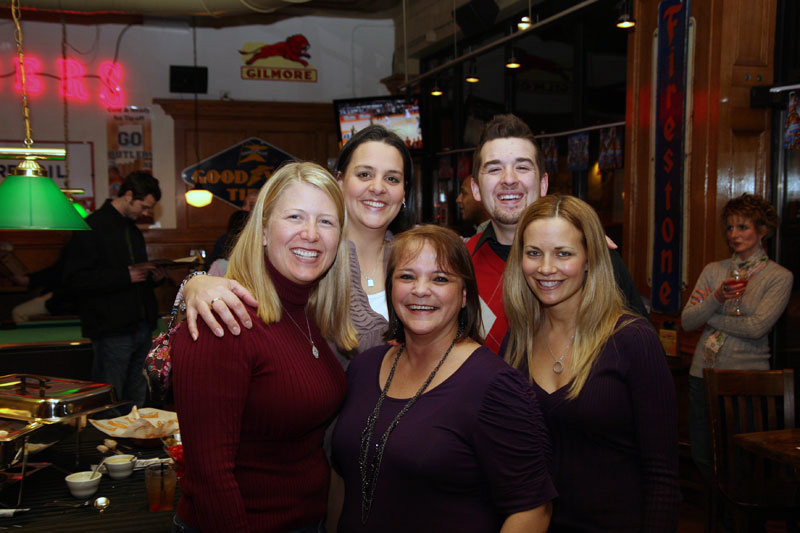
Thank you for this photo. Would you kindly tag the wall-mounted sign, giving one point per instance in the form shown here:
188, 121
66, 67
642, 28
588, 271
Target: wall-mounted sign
673, 17
283, 61
130, 145
237, 171
80, 156
71, 81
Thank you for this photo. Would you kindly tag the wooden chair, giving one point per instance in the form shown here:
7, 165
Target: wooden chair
746, 401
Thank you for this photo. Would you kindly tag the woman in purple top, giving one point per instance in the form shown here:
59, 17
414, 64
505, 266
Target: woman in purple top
437, 433
598, 372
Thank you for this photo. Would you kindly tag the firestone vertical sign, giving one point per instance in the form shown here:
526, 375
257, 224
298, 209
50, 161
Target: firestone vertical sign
673, 17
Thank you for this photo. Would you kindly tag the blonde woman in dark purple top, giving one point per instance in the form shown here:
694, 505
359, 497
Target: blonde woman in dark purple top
598, 372
437, 433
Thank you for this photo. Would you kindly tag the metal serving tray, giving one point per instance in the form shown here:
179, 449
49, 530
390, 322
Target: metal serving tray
30, 397
34, 436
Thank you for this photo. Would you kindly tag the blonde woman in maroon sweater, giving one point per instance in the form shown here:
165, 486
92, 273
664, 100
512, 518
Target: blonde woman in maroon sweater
253, 420
374, 169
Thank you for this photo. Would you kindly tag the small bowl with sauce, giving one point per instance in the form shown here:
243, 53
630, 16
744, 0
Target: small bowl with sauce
120, 466
82, 484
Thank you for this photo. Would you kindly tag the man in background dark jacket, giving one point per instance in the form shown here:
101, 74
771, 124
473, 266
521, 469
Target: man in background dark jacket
107, 270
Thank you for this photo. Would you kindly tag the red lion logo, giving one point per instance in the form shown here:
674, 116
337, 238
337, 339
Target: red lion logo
294, 49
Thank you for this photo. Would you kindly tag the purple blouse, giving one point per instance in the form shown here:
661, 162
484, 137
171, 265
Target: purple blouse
615, 446
466, 455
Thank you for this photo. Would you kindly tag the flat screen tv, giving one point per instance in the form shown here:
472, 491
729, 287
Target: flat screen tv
397, 113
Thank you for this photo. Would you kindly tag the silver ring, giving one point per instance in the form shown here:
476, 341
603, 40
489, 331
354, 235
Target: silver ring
214, 300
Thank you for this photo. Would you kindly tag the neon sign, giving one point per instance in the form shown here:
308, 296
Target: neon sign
73, 79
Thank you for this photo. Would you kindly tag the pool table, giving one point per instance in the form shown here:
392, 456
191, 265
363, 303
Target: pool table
51, 348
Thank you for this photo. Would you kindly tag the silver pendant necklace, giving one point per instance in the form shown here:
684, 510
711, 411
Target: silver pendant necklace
558, 365
371, 278
314, 350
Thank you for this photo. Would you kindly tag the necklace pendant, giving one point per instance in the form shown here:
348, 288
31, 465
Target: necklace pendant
558, 367
314, 351
370, 282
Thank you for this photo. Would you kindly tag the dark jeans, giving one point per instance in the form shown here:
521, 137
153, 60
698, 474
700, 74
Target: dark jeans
119, 359
178, 526
699, 431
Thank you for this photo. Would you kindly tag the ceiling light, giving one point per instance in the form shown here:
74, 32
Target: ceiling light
198, 197
472, 74
524, 23
512, 62
625, 21
625, 10
436, 91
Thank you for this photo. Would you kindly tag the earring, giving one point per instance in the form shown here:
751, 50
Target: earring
404, 203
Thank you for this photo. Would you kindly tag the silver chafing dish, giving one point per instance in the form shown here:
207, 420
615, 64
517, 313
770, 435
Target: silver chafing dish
36, 411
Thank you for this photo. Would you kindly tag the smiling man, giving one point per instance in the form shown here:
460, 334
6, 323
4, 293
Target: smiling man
507, 167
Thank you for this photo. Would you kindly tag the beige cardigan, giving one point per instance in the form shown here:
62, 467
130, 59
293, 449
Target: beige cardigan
746, 346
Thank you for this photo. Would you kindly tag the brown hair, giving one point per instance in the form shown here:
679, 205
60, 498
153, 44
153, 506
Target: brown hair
453, 257
501, 127
754, 208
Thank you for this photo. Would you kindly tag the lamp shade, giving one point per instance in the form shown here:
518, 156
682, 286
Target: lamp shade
36, 202
80, 209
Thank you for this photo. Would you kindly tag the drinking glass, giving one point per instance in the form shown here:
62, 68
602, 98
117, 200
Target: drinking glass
739, 282
160, 483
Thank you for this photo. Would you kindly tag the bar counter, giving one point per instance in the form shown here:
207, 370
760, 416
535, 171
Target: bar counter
128, 508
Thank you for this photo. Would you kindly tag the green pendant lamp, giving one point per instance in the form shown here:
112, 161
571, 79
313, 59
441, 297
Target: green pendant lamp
28, 198
31, 200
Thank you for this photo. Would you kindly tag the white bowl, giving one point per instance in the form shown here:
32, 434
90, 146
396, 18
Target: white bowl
82, 485
120, 466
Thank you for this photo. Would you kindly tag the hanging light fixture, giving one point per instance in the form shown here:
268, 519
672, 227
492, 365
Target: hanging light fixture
472, 73
28, 198
198, 197
69, 192
526, 21
512, 63
195, 196
436, 91
625, 20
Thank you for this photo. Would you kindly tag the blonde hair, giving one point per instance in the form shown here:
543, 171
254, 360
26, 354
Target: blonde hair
601, 301
329, 301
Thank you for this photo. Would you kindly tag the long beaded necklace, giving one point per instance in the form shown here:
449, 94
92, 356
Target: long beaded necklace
371, 468
314, 350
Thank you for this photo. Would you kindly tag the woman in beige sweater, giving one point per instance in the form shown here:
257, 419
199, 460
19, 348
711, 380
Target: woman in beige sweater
736, 316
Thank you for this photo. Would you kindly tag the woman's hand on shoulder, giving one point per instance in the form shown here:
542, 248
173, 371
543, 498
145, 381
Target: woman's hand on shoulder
207, 295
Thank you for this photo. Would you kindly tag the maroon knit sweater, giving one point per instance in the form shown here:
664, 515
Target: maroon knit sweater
252, 411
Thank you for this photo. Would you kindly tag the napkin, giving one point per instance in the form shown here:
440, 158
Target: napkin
145, 423
10, 512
